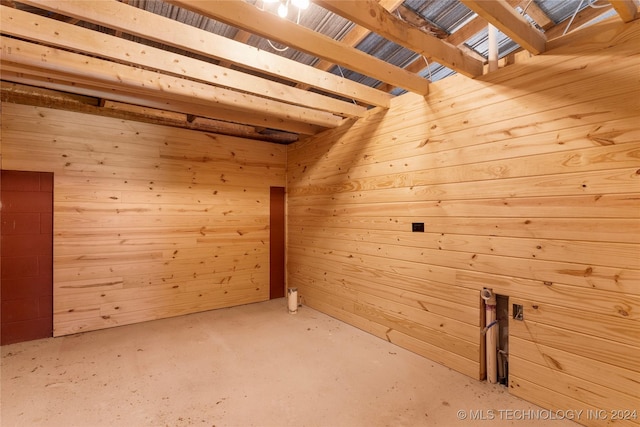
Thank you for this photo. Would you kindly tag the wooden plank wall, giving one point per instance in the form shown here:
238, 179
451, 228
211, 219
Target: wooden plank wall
149, 221
528, 182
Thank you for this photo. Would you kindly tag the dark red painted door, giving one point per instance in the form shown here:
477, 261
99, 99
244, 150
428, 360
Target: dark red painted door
26, 256
277, 245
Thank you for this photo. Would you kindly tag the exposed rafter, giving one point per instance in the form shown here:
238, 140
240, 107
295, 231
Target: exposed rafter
371, 15
160, 58
474, 26
60, 82
627, 9
422, 23
506, 19
583, 17
55, 33
134, 21
242, 37
29, 95
246, 16
119, 77
353, 37
534, 11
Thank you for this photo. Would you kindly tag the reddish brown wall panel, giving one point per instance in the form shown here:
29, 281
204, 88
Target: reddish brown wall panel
26, 295
277, 243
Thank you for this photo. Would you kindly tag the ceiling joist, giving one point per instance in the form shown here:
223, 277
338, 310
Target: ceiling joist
583, 17
474, 26
506, 19
116, 77
369, 14
142, 53
354, 37
131, 20
627, 9
534, 11
60, 82
39, 97
242, 37
419, 21
55, 33
244, 15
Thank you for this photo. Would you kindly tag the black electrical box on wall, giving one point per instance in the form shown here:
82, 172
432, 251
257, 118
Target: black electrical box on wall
417, 227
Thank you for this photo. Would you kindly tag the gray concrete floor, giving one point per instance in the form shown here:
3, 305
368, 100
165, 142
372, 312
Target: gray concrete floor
254, 365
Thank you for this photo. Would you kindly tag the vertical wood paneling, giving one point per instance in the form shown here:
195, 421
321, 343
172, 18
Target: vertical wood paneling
149, 221
528, 182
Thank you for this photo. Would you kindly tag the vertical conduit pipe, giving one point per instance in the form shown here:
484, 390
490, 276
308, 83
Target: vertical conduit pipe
493, 48
491, 333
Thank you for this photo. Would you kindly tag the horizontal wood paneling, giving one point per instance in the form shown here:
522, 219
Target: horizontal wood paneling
453, 165
602, 207
616, 254
599, 325
618, 304
614, 279
425, 298
528, 182
590, 414
623, 380
149, 221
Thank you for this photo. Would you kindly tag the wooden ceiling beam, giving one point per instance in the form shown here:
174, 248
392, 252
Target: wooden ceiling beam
60, 82
120, 77
353, 37
216, 126
43, 30
30, 95
414, 19
131, 20
248, 17
583, 17
506, 19
142, 111
369, 14
241, 37
22, 94
473, 27
627, 9
469, 30
534, 11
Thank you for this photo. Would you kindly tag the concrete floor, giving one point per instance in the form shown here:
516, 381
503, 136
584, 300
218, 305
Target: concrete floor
254, 365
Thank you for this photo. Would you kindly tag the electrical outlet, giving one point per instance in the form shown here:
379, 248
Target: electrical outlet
417, 227
518, 312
